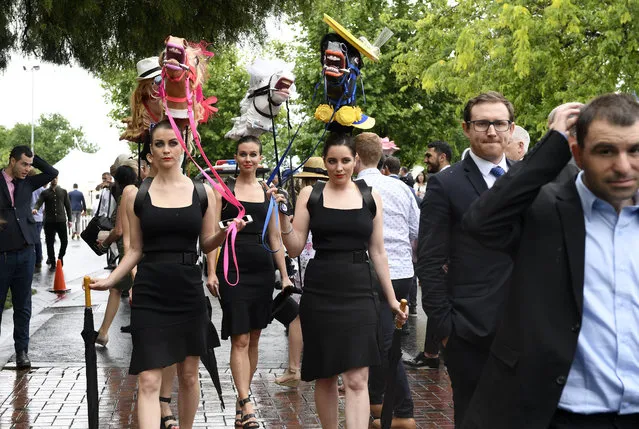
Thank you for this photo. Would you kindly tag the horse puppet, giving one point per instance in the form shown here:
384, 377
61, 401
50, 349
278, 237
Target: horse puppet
271, 84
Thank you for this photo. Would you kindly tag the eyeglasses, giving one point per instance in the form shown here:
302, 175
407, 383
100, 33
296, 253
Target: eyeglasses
482, 126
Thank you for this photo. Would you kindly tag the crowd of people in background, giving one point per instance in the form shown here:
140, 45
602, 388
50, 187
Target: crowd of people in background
526, 262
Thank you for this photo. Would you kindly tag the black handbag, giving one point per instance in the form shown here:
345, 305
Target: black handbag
98, 223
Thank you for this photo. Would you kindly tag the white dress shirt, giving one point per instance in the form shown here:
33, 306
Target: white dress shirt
401, 220
485, 167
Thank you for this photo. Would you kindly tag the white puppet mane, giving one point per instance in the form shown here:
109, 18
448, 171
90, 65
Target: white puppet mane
255, 111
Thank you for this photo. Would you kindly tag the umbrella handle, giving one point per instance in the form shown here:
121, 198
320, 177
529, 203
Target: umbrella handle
87, 291
402, 306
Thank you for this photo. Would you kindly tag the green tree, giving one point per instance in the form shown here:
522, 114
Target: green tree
113, 33
54, 137
537, 53
406, 113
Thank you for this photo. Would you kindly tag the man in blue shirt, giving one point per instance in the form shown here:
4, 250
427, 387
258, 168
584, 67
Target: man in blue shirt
78, 208
566, 354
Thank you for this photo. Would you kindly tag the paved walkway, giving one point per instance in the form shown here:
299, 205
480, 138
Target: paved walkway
52, 393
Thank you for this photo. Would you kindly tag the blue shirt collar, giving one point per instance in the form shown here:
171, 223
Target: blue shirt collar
590, 201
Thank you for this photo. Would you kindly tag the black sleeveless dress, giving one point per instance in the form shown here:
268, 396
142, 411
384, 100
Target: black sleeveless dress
247, 305
168, 311
338, 310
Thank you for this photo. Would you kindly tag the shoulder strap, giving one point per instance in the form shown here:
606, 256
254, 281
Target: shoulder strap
139, 198
316, 193
367, 195
230, 183
201, 195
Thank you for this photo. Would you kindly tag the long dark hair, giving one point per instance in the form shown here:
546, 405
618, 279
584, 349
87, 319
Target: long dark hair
124, 176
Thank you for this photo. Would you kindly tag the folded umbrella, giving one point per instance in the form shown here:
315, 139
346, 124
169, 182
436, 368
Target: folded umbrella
89, 335
208, 360
395, 354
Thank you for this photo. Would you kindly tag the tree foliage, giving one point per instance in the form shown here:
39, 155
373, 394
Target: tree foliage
54, 137
537, 53
113, 33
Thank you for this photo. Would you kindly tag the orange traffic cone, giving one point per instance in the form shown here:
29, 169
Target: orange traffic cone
59, 285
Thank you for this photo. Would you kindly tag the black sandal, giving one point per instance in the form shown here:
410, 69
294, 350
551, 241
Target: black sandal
165, 419
245, 417
238, 415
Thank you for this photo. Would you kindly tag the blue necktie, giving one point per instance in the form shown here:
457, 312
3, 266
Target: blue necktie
497, 171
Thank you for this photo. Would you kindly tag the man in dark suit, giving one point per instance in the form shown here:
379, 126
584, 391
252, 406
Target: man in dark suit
565, 355
17, 238
463, 282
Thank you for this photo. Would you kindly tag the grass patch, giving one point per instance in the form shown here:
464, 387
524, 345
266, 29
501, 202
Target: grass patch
7, 302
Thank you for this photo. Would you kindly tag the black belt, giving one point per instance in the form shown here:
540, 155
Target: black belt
187, 258
253, 238
355, 256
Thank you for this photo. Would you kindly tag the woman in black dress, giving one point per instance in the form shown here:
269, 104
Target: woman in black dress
168, 312
246, 307
337, 310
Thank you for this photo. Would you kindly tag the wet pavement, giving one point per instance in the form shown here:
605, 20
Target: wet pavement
52, 393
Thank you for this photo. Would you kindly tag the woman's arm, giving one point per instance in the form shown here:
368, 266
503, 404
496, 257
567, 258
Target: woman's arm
377, 253
275, 239
294, 235
131, 258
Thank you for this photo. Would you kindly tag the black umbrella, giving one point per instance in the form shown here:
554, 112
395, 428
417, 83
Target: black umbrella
209, 360
394, 355
89, 335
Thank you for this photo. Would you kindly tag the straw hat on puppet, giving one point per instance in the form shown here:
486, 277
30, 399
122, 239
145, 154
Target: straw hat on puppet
148, 68
314, 168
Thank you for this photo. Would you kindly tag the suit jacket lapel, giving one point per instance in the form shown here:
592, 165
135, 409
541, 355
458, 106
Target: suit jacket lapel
474, 175
574, 229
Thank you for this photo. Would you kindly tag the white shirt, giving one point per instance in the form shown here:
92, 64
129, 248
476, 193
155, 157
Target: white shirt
401, 220
105, 208
485, 167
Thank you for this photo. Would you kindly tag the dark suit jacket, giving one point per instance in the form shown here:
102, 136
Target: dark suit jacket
20, 228
469, 298
543, 228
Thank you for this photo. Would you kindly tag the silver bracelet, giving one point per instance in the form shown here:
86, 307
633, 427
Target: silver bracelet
289, 231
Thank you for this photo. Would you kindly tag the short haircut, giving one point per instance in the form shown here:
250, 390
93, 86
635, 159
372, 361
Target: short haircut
616, 109
17, 152
369, 148
75, 186
489, 97
338, 139
521, 134
249, 139
107, 173
392, 164
404, 169
441, 146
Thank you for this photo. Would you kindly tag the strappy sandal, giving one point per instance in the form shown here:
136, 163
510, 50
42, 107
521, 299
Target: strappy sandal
238, 414
165, 419
246, 424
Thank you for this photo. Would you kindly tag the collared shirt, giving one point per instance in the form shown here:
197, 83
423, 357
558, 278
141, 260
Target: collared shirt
10, 185
34, 200
604, 376
485, 167
401, 220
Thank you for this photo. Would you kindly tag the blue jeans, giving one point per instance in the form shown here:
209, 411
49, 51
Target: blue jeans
38, 244
16, 273
403, 407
